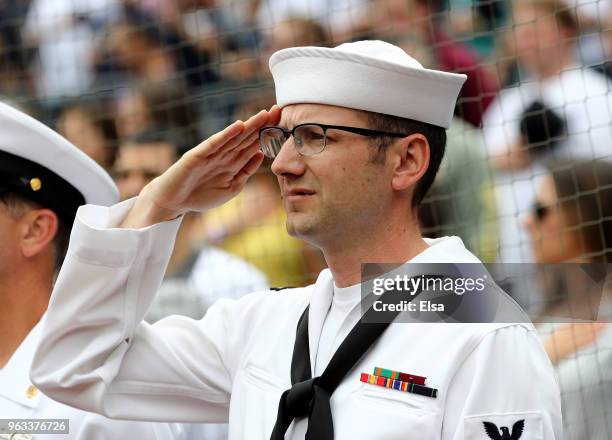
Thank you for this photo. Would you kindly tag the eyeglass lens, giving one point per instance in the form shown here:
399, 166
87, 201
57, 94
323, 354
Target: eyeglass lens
309, 140
271, 141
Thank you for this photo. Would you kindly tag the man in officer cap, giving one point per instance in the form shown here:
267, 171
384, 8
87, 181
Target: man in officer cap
356, 145
43, 180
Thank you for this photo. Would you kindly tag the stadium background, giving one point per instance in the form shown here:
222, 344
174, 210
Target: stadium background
136, 82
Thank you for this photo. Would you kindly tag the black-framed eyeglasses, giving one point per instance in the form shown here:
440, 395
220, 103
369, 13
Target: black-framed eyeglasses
310, 138
540, 211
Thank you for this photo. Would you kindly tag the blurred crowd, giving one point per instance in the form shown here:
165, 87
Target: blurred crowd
527, 175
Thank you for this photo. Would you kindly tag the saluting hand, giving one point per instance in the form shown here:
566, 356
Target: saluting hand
206, 176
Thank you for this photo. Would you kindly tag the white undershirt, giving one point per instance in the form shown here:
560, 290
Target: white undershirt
342, 316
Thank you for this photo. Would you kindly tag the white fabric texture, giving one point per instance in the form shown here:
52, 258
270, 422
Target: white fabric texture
366, 75
19, 401
343, 314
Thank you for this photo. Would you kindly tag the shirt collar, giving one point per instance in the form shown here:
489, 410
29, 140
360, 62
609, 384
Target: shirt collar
440, 250
15, 382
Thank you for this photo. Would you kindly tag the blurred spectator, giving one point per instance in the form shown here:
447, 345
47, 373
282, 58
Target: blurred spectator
162, 107
91, 127
133, 115
142, 158
475, 22
14, 56
572, 222
139, 48
297, 31
560, 109
214, 25
65, 33
476, 15
294, 31
572, 217
416, 19
337, 17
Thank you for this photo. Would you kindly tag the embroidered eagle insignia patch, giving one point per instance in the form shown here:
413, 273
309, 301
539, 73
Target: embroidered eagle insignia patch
494, 433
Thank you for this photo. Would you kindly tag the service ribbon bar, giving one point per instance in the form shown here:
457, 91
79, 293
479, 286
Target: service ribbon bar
404, 377
406, 387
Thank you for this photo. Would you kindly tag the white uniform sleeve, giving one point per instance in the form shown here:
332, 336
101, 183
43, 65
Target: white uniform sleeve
96, 352
507, 382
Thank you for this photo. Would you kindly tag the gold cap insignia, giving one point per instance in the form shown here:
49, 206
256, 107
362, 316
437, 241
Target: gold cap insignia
35, 184
31, 392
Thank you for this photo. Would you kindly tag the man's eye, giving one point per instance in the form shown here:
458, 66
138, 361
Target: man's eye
312, 135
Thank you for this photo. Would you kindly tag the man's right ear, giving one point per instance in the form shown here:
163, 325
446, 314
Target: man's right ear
411, 160
37, 228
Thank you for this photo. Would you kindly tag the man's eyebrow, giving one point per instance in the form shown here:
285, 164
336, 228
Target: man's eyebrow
280, 124
309, 121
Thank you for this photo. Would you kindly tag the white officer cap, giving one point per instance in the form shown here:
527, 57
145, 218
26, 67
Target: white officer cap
42, 166
366, 75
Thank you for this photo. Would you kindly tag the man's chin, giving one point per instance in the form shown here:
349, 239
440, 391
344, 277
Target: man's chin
298, 226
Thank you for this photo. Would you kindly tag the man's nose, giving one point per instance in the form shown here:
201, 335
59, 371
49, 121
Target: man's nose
288, 161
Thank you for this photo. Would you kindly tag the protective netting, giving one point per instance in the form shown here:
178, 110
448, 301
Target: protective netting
527, 175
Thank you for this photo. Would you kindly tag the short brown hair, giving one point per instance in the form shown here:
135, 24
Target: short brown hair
584, 191
436, 137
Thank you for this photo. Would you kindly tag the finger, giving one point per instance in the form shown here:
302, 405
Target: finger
248, 170
274, 115
245, 144
252, 125
218, 140
243, 158
227, 166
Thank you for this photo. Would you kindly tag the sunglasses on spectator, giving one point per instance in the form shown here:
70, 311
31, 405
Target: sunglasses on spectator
540, 211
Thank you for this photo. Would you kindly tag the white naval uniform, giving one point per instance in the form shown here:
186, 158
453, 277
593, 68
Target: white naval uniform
19, 399
233, 364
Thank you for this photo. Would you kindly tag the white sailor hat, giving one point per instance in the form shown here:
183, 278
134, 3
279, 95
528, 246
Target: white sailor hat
39, 164
366, 75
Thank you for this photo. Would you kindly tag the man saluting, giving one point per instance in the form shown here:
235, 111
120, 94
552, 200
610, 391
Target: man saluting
356, 140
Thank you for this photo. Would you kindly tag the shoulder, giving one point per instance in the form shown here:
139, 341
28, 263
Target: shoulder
264, 305
505, 345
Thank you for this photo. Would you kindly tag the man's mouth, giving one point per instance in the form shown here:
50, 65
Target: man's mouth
298, 193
